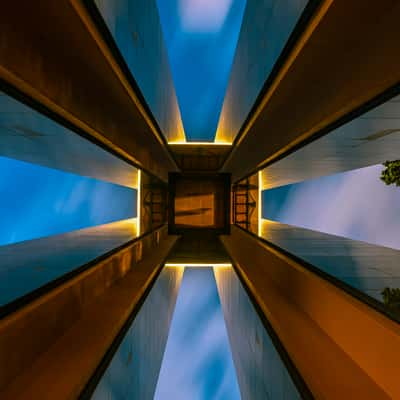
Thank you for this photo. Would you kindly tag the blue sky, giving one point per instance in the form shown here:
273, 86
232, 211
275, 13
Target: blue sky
201, 38
197, 363
36, 201
354, 204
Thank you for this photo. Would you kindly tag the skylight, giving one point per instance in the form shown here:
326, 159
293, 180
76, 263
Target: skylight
198, 362
201, 38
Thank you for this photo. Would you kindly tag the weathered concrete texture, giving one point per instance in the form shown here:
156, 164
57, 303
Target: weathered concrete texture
260, 370
330, 73
339, 344
367, 267
134, 369
27, 135
266, 27
28, 265
135, 26
370, 139
69, 69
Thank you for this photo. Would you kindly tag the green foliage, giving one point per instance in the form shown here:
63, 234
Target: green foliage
391, 174
391, 299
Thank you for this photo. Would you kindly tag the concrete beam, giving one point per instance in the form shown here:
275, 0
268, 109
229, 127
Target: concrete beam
268, 28
260, 369
52, 346
136, 29
364, 269
29, 267
30, 136
67, 71
346, 57
141, 345
338, 344
367, 140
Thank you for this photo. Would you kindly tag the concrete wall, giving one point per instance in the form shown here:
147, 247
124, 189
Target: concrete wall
30, 136
72, 326
136, 28
134, 369
260, 371
366, 267
339, 345
31, 264
370, 139
74, 75
266, 27
331, 73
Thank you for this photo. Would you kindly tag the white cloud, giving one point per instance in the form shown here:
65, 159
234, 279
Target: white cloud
205, 16
356, 204
197, 340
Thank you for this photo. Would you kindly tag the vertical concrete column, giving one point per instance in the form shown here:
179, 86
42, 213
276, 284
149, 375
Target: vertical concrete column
70, 73
259, 367
54, 345
340, 346
314, 89
135, 366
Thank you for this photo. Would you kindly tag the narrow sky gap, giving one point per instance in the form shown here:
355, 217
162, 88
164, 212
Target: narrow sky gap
37, 201
354, 204
201, 38
198, 363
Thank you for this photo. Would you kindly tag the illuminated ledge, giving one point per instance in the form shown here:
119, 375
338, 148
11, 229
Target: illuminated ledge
260, 188
201, 143
195, 265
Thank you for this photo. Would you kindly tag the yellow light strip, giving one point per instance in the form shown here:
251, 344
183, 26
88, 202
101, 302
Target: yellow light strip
260, 182
138, 201
201, 143
189, 265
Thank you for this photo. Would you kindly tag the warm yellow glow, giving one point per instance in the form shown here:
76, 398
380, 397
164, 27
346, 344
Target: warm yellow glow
259, 201
138, 201
195, 210
124, 225
264, 225
201, 143
224, 129
128, 220
189, 265
265, 181
175, 267
173, 127
136, 179
224, 139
